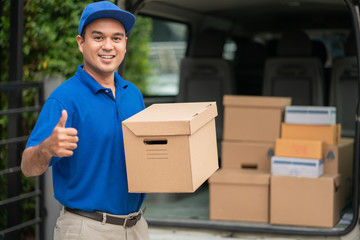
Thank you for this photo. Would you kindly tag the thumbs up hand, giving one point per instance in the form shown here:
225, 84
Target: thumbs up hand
63, 119
62, 140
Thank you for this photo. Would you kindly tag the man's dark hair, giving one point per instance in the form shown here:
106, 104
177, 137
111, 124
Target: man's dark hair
83, 34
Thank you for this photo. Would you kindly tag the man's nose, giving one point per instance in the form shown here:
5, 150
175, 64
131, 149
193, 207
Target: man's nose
108, 44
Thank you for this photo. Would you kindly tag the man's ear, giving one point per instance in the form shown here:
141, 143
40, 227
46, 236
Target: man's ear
80, 42
126, 38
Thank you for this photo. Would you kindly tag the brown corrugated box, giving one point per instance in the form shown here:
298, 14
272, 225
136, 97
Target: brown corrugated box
239, 195
242, 155
253, 118
330, 134
171, 147
338, 159
313, 202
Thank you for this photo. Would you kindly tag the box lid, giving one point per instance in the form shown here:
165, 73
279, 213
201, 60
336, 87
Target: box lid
256, 101
171, 118
241, 176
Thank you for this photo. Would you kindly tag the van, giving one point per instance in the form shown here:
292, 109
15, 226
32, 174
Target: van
203, 50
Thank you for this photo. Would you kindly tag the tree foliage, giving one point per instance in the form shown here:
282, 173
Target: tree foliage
49, 42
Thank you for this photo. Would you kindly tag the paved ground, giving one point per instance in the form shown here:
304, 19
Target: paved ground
195, 208
187, 234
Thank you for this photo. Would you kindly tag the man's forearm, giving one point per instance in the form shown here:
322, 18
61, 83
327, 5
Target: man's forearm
35, 160
61, 143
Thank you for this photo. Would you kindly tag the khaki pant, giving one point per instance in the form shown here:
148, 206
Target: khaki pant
70, 226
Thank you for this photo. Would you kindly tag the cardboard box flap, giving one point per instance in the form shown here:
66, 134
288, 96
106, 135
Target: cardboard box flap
256, 101
171, 118
335, 177
236, 176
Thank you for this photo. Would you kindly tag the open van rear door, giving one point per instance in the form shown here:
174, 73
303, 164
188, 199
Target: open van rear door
353, 6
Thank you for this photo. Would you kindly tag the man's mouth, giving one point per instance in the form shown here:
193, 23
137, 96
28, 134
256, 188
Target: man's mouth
107, 56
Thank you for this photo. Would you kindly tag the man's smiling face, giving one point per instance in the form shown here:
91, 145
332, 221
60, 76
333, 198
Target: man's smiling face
103, 46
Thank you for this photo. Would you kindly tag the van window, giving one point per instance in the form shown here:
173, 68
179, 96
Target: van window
167, 48
333, 40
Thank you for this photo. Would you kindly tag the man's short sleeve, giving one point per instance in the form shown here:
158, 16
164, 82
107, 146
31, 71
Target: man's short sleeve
48, 118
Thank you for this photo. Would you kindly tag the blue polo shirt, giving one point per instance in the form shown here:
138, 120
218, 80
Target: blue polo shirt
94, 178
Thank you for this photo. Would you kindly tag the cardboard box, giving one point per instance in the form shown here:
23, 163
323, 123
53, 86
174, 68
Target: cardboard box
299, 148
330, 134
251, 118
310, 115
239, 195
297, 167
312, 202
244, 155
171, 147
338, 159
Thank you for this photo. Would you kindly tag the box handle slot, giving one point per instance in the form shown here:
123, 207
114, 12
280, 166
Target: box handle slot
270, 152
249, 166
155, 142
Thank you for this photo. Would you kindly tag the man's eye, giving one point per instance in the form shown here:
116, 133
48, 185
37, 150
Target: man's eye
117, 39
97, 38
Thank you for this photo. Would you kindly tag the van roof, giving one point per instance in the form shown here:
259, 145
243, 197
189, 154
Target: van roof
254, 16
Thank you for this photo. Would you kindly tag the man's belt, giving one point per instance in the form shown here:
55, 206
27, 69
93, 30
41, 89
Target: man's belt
105, 218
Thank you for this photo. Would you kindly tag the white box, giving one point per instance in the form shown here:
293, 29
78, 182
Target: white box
297, 167
310, 115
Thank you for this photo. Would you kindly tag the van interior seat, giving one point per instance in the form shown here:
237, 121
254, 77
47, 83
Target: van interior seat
319, 50
249, 65
294, 72
205, 75
344, 87
271, 47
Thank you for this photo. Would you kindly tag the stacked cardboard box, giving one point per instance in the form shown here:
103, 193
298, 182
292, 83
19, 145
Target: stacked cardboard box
314, 192
239, 191
244, 190
298, 158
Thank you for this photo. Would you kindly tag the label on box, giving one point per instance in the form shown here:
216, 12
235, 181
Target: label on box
297, 167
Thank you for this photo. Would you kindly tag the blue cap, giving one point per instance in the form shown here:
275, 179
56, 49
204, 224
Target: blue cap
105, 9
